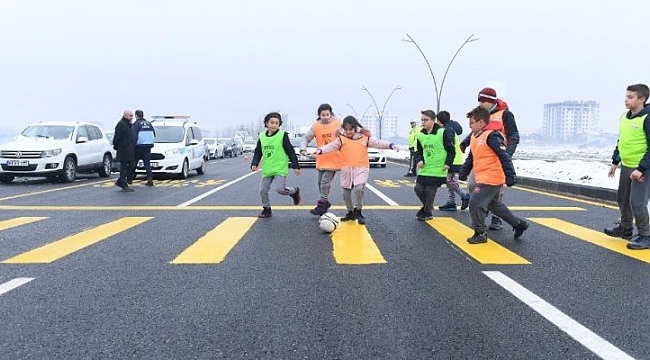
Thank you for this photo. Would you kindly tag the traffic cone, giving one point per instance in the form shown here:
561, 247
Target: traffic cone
245, 157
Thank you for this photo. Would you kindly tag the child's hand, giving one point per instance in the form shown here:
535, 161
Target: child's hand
296, 171
420, 164
395, 148
446, 167
253, 168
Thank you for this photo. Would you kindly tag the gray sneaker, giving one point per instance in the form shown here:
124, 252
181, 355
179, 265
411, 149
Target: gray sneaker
639, 243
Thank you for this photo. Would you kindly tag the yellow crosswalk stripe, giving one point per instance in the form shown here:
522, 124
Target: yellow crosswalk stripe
213, 247
353, 245
592, 236
66, 246
488, 253
8, 224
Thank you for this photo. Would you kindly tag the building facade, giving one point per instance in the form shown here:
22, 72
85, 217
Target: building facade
570, 120
389, 126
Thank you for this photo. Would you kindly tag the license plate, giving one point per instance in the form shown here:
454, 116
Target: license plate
17, 162
154, 164
141, 164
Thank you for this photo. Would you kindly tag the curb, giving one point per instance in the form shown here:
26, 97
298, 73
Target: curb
583, 191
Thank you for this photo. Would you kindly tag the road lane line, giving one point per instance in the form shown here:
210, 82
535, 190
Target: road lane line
8, 224
66, 246
200, 197
488, 253
52, 190
14, 283
353, 245
594, 237
247, 207
381, 195
213, 247
580, 333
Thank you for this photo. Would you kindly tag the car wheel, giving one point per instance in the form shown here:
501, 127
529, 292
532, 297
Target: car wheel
69, 169
107, 165
201, 169
185, 170
6, 179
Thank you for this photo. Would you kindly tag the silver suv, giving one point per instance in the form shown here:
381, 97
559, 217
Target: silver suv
57, 150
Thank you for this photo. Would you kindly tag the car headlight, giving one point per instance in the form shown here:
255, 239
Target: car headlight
173, 151
51, 153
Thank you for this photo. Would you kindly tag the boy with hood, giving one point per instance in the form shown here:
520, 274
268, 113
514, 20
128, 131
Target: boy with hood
633, 153
492, 169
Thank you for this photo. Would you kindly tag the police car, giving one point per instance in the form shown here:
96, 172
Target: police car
179, 147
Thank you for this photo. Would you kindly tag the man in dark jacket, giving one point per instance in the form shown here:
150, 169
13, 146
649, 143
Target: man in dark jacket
124, 145
144, 136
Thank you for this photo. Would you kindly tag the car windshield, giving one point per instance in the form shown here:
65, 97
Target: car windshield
48, 131
210, 141
295, 142
169, 134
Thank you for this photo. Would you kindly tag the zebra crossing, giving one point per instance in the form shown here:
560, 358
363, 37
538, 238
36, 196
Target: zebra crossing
352, 244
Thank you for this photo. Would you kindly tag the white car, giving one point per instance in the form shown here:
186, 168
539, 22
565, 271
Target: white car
304, 160
178, 149
57, 150
249, 145
377, 157
215, 148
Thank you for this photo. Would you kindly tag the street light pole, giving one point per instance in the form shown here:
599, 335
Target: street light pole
380, 114
435, 83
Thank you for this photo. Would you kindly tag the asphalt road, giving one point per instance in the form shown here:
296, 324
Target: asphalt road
185, 270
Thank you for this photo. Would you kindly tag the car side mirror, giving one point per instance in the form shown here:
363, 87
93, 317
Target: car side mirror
82, 139
194, 142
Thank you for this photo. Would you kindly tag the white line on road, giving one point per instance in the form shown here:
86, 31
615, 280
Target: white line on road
586, 337
14, 283
388, 200
192, 201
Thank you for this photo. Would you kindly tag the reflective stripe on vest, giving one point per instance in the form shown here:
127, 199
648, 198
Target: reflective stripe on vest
486, 165
325, 134
274, 160
632, 142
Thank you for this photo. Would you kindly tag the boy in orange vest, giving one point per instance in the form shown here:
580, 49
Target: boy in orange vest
492, 169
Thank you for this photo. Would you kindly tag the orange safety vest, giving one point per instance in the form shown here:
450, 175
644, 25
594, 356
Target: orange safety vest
354, 151
325, 134
486, 165
498, 117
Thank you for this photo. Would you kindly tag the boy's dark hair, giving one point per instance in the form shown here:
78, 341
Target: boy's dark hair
443, 116
479, 113
272, 115
323, 107
351, 120
641, 91
429, 113
139, 114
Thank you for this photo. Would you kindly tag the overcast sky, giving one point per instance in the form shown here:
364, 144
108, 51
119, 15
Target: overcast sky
228, 62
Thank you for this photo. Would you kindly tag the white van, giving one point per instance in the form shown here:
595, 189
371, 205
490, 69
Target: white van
179, 147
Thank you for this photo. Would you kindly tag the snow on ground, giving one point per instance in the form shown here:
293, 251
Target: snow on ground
569, 164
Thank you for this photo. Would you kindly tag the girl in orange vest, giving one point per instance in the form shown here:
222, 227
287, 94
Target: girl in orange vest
492, 169
355, 165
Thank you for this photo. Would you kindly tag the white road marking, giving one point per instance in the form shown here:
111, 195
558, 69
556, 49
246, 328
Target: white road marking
581, 334
14, 283
192, 201
388, 200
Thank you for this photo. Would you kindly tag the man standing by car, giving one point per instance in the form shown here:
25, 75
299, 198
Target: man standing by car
124, 146
413, 136
144, 136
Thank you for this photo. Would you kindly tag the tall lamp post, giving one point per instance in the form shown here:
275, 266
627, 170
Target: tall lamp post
357, 115
380, 114
470, 39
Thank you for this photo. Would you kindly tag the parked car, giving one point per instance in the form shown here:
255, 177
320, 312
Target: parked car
377, 157
215, 148
115, 166
179, 147
309, 159
249, 145
231, 147
57, 150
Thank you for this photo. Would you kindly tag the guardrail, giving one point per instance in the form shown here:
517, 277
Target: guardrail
583, 191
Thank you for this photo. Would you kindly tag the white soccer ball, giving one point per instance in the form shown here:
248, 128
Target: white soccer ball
328, 222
